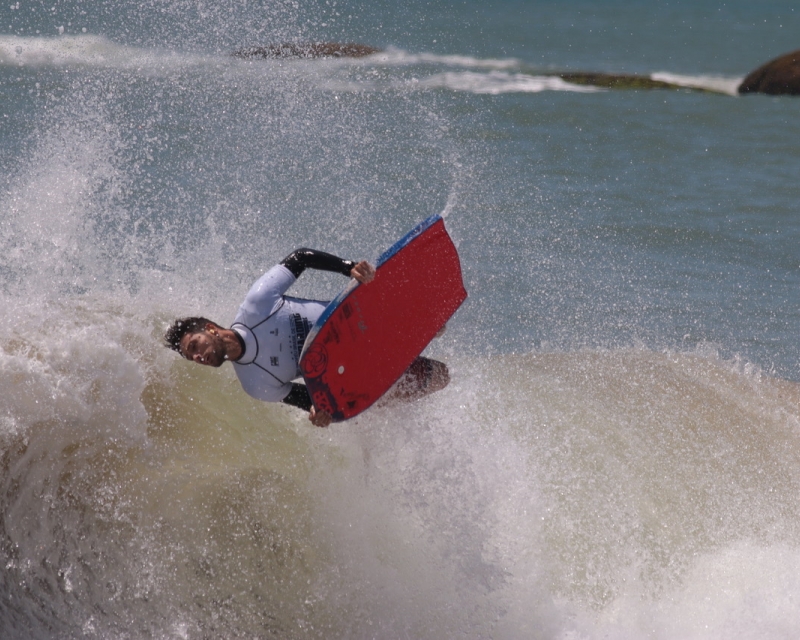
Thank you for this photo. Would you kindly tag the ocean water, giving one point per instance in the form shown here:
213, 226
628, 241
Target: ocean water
618, 453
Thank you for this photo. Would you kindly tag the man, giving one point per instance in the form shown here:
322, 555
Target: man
266, 337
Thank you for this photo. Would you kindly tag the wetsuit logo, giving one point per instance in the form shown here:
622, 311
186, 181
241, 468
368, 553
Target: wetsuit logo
300, 328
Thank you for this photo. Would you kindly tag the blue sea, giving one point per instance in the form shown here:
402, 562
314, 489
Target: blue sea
617, 455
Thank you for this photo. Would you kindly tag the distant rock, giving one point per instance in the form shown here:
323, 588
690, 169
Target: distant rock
615, 81
780, 76
307, 50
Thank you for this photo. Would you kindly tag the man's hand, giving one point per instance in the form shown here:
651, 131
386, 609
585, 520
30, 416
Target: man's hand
319, 418
364, 272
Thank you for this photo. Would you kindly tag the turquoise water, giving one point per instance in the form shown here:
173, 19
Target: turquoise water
617, 455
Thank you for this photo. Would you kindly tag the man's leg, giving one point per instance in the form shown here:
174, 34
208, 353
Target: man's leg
423, 377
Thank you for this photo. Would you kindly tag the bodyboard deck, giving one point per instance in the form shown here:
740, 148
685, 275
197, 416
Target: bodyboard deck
371, 333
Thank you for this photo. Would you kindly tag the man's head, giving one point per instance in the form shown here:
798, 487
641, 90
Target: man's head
197, 339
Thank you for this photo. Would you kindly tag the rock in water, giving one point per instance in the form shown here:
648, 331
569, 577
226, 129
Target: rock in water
780, 76
306, 50
615, 81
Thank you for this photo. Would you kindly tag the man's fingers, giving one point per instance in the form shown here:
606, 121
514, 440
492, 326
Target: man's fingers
319, 418
364, 272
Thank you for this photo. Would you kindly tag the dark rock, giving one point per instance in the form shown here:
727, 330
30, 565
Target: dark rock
615, 81
780, 76
307, 50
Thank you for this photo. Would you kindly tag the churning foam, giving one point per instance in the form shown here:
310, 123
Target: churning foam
498, 82
719, 84
85, 51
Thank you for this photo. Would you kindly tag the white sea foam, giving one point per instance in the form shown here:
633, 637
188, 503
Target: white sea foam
394, 56
57, 367
491, 499
87, 50
476, 82
62, 50
719, 84
497, 82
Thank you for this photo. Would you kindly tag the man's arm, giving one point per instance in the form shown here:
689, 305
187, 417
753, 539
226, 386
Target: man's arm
302, 259
299, 397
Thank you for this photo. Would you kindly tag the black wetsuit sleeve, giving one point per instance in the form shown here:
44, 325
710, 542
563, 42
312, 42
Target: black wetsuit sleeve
302, 259
298, 397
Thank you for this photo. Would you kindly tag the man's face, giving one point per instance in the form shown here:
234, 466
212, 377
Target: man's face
204, 347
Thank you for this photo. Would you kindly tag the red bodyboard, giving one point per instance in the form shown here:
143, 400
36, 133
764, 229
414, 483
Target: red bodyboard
370, 334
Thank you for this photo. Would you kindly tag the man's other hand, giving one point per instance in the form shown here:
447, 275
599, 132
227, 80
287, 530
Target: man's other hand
319, 418
364, 272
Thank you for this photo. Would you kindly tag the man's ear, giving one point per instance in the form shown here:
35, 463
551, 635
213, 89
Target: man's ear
211, 328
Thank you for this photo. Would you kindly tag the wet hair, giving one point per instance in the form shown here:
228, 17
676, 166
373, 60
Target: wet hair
182, 326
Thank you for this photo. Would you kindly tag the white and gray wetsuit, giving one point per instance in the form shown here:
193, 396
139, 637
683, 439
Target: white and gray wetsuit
274, 326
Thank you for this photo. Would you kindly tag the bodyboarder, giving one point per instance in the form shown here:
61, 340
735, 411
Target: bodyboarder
267, 336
